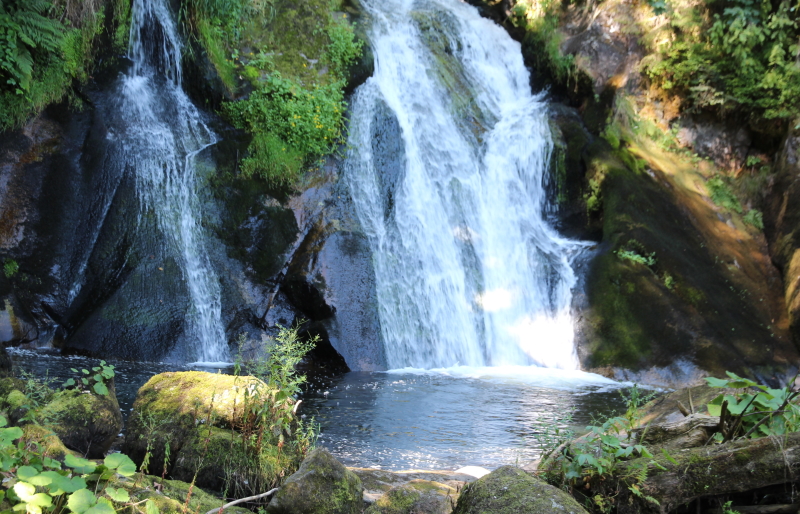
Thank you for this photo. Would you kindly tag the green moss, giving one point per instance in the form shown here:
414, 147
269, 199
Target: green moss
49, 443
509, 490
171, 495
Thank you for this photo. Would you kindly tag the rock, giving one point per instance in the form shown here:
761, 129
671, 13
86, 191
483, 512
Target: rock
49, 443
189, 422
377, 482
322, 485
782, 225
416, 497
691, 312
86, 422
330, 277
509, 490
169, 405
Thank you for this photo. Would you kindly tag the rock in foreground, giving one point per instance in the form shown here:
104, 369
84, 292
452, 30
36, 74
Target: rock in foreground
509, 490
322, 485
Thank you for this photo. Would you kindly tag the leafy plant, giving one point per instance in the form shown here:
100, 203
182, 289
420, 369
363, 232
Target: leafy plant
754, 218
10, 268
38, 484
722, 195
594, 458
755, 411
648, 260
96, 380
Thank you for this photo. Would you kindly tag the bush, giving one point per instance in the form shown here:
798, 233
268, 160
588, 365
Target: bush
731, 55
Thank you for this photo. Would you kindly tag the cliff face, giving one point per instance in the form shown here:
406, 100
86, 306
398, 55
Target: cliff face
683, 281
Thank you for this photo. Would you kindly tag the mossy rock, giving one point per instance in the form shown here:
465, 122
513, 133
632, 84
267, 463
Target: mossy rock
168, 405
8, 384
509, 490
322, 485
217, 460
87, 423
16, 405
170, 495
49, 443
416, 497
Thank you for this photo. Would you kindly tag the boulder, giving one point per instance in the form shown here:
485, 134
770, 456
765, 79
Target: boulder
322, 485
49, 443
378, 482
86, 422
416, 497
187, 424
509, 490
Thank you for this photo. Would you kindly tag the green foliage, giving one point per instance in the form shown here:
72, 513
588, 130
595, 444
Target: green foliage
290, 125
755, 411
540, 20
36, 483
634, 251
96, 380
595, 457
10, 268
42, 51
732, 54
722, 195
269, 421
754, 218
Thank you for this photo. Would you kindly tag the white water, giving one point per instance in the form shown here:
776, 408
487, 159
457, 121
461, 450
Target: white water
468, 271
163, 133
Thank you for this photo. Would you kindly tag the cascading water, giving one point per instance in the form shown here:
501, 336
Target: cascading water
161, 134
468, 271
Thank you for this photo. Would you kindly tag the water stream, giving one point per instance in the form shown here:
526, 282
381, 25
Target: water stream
448, 170
159, 140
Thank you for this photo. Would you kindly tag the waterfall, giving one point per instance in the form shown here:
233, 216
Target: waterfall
161, 134
468, 270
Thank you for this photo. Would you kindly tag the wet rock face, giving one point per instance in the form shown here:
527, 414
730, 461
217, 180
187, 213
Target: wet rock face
782, 223
330, 277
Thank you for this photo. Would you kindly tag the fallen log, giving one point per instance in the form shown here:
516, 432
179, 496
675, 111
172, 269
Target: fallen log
716, 469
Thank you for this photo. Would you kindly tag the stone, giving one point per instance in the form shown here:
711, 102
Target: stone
416, 497
509, 490
86, 422
188, 425
322, 485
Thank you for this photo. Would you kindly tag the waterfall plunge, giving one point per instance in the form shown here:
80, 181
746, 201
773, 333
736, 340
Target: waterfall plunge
468, 271
162, 134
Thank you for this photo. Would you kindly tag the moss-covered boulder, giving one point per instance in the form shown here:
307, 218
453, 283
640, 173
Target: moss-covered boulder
49, 443
190, 425
416, 497
322, 485
509, 490
87, 423
169, 405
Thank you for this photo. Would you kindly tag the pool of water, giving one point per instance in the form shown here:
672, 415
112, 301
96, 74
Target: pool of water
410, 419
447, 419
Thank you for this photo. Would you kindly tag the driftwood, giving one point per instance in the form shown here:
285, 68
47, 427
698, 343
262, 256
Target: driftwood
689, 432
243, 500
719, 469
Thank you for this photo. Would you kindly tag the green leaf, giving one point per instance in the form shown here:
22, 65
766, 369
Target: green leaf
669, 457
3, 421
738, 382
24, 490
70, 383
150, 507
715, 405
26, 472
716, 382
81, 500
85, 371
121, 463
100, 388
118, 495
78, 464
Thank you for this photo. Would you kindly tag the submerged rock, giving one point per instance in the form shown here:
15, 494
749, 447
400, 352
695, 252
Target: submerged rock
509, 490
322, 485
